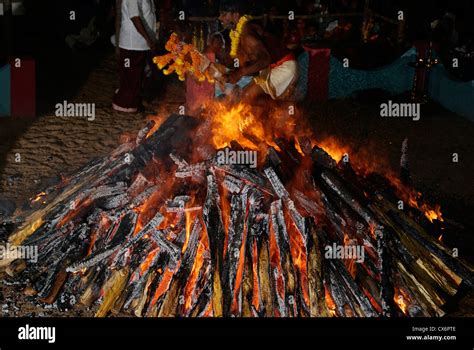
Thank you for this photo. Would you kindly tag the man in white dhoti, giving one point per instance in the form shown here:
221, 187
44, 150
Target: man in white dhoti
260, 54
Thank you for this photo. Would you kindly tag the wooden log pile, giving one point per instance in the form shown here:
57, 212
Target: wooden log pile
149, 233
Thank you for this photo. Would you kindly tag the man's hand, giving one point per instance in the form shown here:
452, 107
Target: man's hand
137, 22
152, 45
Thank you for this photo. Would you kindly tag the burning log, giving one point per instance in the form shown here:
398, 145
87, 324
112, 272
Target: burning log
264, 270
229, 240
212, 216
317, 306
173, 297
283, 271
238, 232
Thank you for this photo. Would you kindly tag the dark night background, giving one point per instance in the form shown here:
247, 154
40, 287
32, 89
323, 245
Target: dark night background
41, 32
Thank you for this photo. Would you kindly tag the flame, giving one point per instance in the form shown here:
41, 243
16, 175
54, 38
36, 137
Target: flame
192, 280
276, 265
158, 119
145, 265
202, 250
225, 211
413, 198
93, 239
298, 147
434, 214
78, 207
298, 256
367, 161
146, 212
401, 299
237, 123
331, 305
372, 300
431, 213
164, 285
38, 197
209, 311
333, 148
372, 230
240, 267
190, 217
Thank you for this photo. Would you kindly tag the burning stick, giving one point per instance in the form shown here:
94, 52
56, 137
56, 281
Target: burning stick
173, 298
236, 245
212, 216
277, 185
317, 305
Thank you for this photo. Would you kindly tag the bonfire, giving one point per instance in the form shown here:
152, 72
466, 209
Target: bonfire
164, 227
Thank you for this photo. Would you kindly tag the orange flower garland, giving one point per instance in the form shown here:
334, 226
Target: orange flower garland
182, 58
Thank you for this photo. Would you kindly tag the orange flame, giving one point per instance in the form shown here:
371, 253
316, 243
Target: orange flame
78, 207
190, 218
202, 250
158, 119
38, 197
225, 212
401, 299
237, 123
145, 265
414, 199
240, 268
298, 255
164, 285
333, 148
331, 305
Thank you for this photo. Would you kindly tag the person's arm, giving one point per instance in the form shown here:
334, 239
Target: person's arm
134, 13
137, 22
260, 59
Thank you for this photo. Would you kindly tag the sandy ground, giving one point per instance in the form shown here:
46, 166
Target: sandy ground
50, 146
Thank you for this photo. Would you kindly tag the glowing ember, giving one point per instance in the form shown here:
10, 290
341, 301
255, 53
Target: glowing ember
38, 197
331, 305
202, 251
276, 266
144, 266
299, 257
401, 299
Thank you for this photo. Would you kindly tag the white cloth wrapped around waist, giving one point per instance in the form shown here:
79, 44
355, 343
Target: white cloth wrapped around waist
277, 81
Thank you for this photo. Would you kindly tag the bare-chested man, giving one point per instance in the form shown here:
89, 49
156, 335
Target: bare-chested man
261, 55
